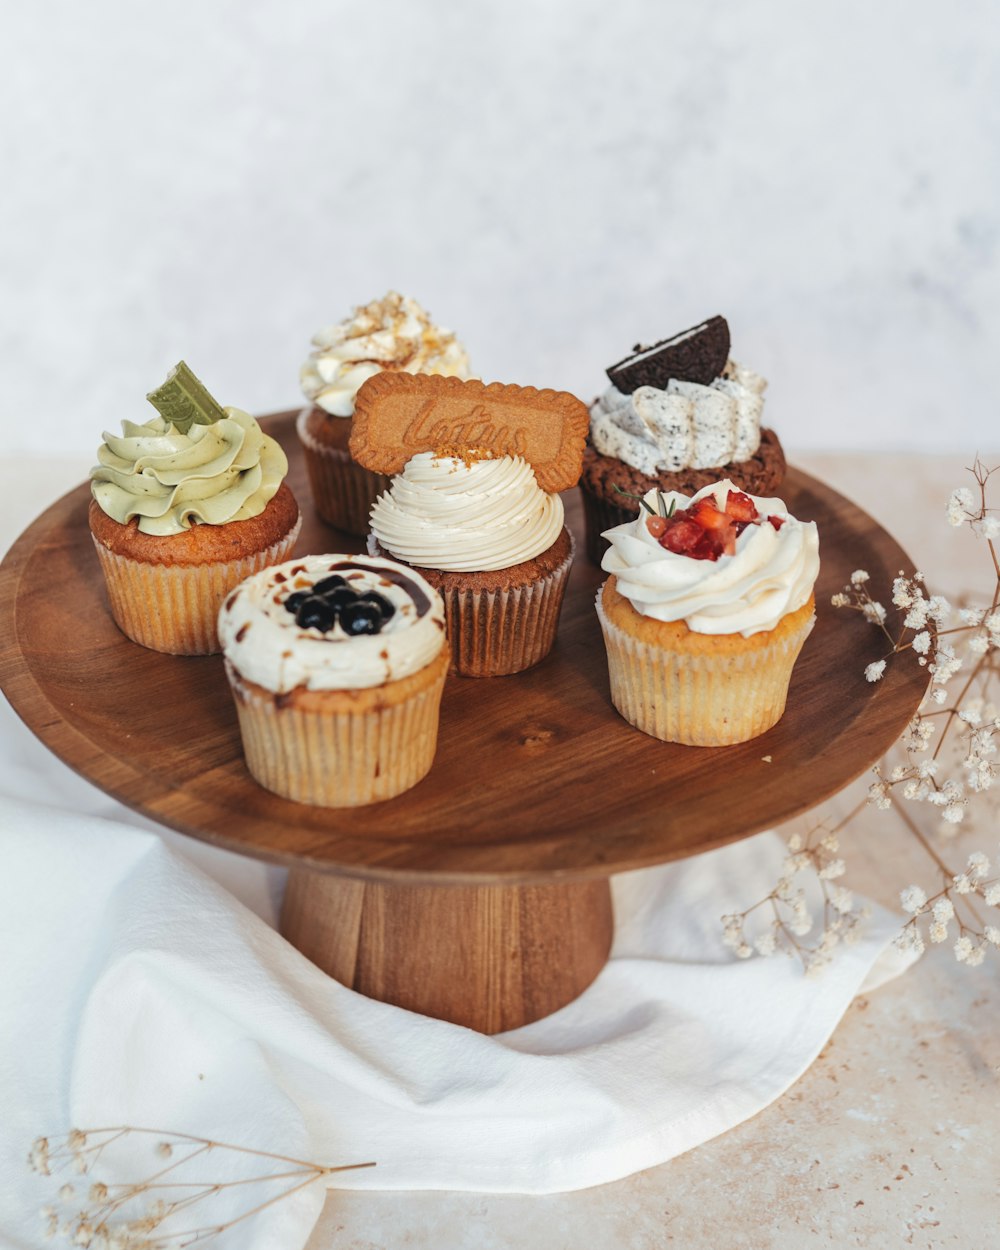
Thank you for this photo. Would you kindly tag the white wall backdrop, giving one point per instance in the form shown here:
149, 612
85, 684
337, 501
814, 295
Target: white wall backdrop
555, 179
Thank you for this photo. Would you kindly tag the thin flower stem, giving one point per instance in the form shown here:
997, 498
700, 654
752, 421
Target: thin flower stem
946, 871
166, 1135
965, 690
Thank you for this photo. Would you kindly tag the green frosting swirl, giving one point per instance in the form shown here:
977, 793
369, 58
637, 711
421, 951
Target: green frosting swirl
226, 471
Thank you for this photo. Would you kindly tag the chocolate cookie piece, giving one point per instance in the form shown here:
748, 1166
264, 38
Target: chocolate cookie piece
695, 355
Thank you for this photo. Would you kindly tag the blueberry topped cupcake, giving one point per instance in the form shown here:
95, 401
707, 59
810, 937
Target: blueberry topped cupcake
676, 417
393, 334
336, 664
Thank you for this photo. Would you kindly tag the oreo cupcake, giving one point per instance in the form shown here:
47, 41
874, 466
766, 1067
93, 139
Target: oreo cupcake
337, 664
393, 334
677, 416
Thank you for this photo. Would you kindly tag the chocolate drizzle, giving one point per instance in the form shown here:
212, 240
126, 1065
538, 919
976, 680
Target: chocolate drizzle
420, 601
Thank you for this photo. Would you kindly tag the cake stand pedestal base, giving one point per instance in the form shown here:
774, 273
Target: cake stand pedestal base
490, 957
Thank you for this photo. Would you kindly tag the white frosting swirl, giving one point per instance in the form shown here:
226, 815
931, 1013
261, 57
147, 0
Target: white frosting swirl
444, 513
390, 333
687, 426
263, 642
771, 573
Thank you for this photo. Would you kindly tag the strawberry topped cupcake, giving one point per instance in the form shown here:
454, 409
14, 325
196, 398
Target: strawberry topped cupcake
676, 417
709, 603
393, 334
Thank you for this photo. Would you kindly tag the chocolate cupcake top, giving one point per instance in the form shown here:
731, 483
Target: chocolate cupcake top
331, 622
681, 404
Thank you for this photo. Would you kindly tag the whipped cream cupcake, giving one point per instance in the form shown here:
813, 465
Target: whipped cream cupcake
676, 417
336, 664
484, 534
184, 506
709, 603
391, 334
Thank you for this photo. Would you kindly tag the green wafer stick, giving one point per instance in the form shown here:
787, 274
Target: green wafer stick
183, 400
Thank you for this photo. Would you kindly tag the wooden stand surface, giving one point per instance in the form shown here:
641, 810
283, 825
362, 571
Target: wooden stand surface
481, 895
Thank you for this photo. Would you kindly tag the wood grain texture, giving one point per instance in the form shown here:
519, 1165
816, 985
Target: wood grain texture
488, 957
536, 778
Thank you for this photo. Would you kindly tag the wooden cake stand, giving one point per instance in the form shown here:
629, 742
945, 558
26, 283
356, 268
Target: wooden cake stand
481, 896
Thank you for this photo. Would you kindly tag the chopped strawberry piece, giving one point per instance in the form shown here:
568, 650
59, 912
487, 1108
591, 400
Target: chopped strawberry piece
777, 521
656, 525
681, 535
709, 546
707, 514
740, 506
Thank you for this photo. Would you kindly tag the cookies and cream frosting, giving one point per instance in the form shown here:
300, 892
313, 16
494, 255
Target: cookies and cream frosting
226, 471
685, 426
262, 640
393, 333
470, 515
771, 573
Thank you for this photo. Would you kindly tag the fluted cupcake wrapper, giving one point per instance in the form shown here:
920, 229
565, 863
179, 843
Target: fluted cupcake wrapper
493, 633
338, 758
699, 700
598, 516
175, 607
342, 489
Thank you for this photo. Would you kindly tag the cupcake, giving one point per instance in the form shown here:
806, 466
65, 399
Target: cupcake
184, 507
336, 664
393, 334
474, 506
708, 605
677, 417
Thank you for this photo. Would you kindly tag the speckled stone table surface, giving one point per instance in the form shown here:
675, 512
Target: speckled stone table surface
888, 1140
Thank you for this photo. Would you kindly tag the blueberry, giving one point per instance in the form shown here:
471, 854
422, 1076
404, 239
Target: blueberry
316, 613
339, 597
296, 600
327, 584
384, 606
360, 618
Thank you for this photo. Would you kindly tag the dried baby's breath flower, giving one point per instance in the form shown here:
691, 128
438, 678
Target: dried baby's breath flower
913, 899
156, 1213
948, 754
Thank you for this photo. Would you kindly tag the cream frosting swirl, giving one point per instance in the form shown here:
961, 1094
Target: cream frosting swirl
390, 333
457, 516
264, 643
686, 426
772, 572
226, 471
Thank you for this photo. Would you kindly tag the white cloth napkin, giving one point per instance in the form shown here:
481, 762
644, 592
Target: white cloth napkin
136, 990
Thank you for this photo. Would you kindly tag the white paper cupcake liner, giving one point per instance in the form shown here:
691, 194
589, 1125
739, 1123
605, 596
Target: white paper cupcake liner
494, 633
175, 607
699, 700
337, 758
343, 491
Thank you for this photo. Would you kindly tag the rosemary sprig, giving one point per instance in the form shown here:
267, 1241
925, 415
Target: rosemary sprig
661, 503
